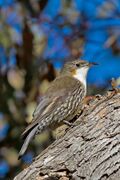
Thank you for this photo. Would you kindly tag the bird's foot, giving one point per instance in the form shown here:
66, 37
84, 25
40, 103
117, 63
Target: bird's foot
68, 123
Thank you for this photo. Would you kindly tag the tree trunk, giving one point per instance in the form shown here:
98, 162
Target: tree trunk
90, 150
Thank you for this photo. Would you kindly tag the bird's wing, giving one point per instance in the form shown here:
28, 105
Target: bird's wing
44, 102
41, 110
54, 97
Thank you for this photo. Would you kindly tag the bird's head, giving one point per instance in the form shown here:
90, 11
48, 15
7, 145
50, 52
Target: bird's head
77, 69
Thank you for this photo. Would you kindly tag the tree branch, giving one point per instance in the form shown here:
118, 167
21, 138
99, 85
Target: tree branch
90, 150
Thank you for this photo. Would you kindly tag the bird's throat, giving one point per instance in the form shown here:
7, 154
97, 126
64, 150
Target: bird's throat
81, 75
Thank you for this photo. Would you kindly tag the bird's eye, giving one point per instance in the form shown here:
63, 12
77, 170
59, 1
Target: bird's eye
77, 65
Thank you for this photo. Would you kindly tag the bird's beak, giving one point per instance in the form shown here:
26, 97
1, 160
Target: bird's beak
92, 64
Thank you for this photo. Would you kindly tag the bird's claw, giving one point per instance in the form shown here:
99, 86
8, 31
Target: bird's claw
69, 124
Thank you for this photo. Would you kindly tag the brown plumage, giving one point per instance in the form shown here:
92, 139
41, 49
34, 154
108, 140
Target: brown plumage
61, 101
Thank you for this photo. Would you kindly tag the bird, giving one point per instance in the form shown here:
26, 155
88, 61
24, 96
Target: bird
61, 101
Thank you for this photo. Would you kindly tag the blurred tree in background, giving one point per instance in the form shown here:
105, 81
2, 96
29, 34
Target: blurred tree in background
36, 38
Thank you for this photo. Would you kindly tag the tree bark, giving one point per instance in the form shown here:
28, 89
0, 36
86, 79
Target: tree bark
90, 150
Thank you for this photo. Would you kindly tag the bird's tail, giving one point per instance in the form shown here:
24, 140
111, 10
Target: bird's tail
28, 138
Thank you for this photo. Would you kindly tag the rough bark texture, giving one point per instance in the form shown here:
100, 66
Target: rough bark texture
90, 150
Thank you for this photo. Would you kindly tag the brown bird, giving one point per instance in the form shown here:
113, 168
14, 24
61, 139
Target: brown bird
61, 102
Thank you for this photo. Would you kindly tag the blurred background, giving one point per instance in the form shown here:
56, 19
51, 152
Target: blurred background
36, 38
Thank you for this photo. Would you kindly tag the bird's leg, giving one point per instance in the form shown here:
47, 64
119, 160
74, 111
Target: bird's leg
68, 123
